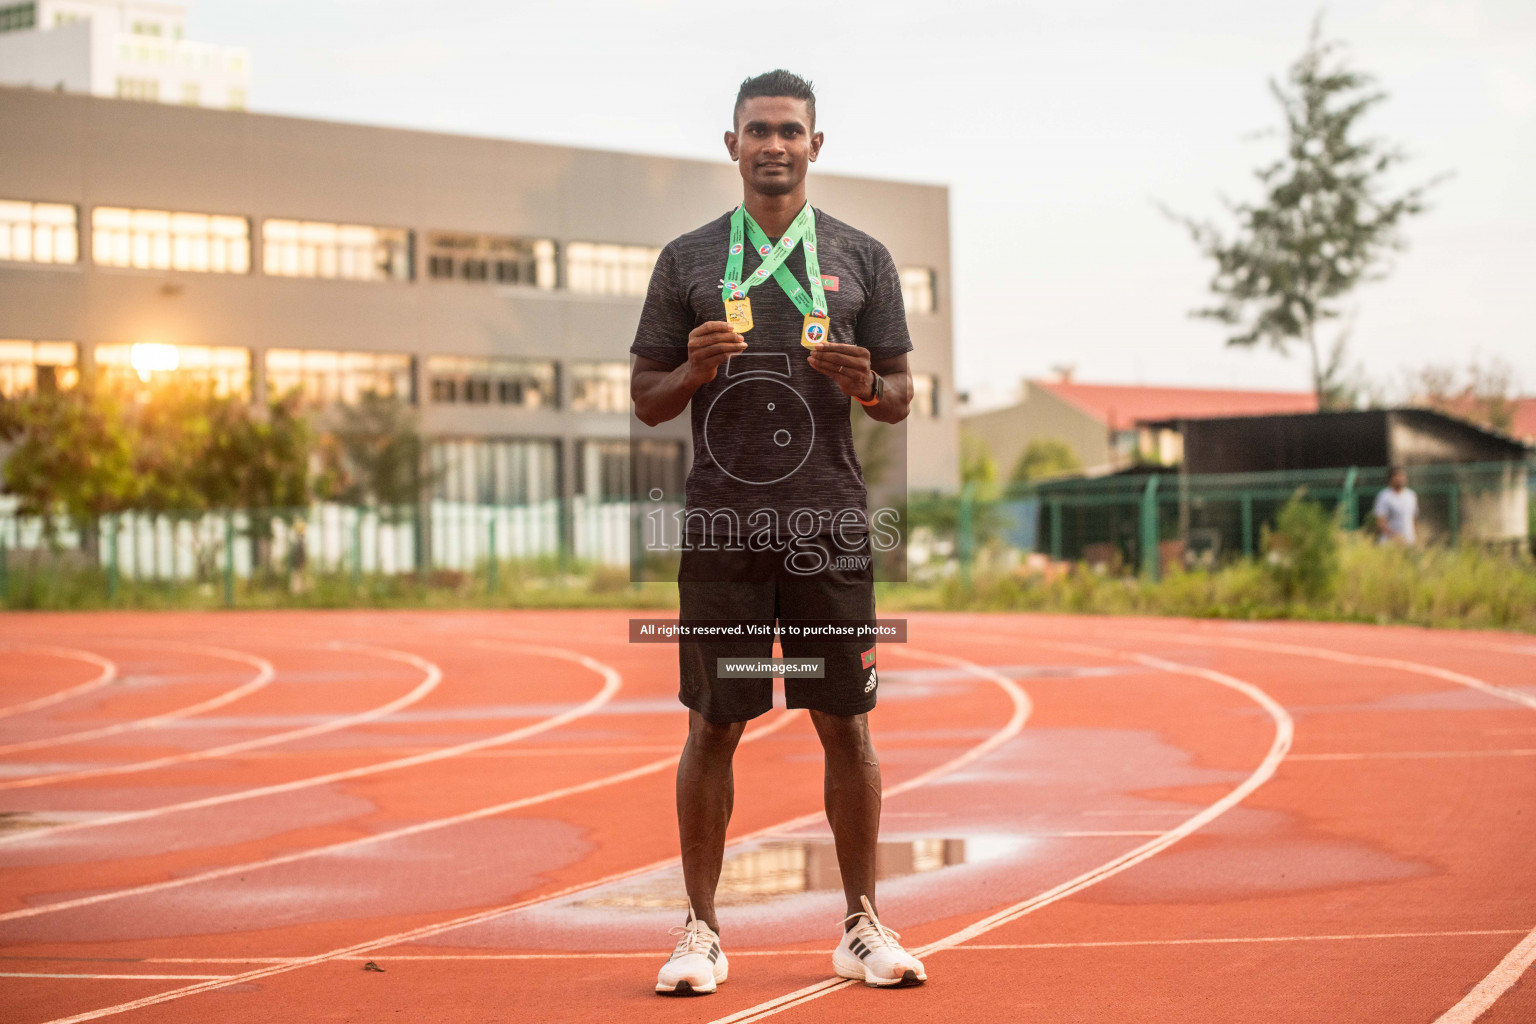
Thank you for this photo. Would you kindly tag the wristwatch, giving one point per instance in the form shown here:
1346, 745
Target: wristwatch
876, 390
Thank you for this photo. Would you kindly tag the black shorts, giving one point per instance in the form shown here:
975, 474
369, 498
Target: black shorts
758, 586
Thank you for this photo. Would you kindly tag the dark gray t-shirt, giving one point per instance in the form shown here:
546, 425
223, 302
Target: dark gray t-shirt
771, 436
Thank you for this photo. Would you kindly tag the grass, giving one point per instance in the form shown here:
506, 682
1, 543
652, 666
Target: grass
1463, 587
532, 583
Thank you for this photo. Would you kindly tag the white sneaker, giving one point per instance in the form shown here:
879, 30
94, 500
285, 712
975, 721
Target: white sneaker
698, 963
870, 953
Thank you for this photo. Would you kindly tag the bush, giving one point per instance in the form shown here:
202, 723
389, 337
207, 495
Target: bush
1302, 551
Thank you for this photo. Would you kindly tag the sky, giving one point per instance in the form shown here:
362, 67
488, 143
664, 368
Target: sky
1059, 129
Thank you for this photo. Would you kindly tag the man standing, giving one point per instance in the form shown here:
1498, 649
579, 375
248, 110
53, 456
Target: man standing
768, 321
1397, 506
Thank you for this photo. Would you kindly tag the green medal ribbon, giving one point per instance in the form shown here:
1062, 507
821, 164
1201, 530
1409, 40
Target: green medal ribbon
801, 231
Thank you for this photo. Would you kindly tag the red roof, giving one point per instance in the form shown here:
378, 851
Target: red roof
1524, 425
1122, 406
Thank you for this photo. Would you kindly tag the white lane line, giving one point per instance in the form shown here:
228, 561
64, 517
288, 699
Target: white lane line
113, 977
433, 825
1486, 645
106, 676
612, 682
1279, 745
264, 675
1015, 723
1411, 755
423, 688
1239, 940
818, 951
1475, 1003
1520, 958
1328, 654
433, 676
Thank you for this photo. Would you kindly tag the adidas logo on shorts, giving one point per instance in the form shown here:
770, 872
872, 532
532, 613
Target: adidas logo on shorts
872, 680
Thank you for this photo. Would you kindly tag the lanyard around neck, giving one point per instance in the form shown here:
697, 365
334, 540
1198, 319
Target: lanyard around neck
801, 230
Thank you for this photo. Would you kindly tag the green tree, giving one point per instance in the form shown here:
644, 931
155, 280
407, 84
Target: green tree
977, 466
72, 455
378, 452
1045, 457
258, 460
1326, 223
376, 457
171, 428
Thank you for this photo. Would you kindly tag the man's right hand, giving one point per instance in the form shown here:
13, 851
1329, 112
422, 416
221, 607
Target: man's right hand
709, 345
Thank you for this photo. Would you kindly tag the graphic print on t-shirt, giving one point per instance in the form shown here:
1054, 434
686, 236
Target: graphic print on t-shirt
780, 428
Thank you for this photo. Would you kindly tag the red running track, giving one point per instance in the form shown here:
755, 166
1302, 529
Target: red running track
1086, 819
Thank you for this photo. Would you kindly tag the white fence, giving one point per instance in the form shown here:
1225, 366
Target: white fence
328, 537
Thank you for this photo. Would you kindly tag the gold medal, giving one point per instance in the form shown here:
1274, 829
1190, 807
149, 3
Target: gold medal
815, 330
738, 313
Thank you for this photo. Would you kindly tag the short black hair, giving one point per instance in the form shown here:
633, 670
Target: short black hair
1396, 470
777, 82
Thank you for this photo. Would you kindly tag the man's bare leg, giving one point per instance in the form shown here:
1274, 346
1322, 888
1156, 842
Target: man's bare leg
706, 790
852, 791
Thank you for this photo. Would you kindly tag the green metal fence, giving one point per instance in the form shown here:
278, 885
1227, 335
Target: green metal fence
1144, 520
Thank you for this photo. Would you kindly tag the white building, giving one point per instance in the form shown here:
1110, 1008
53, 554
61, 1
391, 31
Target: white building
129, 50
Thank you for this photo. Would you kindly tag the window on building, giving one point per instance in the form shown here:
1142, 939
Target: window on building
17, 17
327, 377
28, 366
227, 369
349, 252
599, 387
495, 472
38, 232
918, 293
191, 94
593, 268
528, 383
166, 240
925, 395
603, 468
146, 28
236, 99
528, 262
130, 88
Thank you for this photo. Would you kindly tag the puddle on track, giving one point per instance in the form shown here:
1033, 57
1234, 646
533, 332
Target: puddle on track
784, 868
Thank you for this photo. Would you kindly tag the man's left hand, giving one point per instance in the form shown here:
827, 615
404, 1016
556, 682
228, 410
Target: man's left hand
848, 365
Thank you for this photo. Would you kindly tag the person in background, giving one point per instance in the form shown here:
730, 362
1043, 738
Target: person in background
298, 559
1397, 507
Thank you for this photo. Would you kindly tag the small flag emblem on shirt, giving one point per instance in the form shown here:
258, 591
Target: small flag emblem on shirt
829, 282
867, 658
